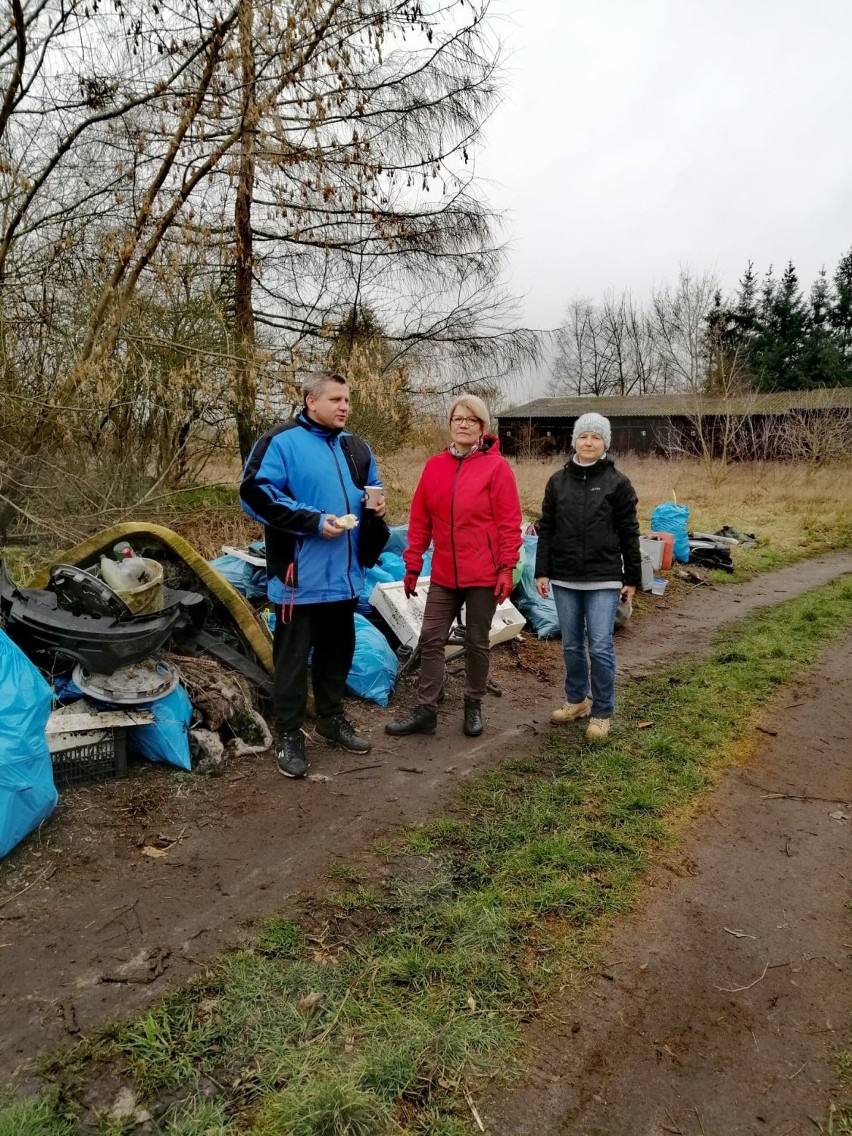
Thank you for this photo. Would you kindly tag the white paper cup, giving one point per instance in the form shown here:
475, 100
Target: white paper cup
373, 492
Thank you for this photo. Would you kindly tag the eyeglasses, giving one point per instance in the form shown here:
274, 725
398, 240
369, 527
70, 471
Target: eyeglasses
456, 421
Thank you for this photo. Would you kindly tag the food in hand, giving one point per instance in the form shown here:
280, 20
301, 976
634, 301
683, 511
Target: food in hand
347, 521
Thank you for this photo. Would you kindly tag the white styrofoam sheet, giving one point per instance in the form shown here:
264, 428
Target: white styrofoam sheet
405, 615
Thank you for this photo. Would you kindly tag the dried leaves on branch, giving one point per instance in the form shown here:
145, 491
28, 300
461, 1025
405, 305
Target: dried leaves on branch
195, 200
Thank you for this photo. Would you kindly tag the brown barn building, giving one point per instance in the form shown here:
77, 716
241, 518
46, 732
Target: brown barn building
750, 426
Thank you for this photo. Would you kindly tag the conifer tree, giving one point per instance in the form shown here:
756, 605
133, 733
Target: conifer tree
781, 339
840, 319
724, 347
820, 362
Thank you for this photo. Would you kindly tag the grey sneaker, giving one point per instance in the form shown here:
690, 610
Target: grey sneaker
291, 755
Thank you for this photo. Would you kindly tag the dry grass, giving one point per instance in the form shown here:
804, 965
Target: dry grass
208, 529
794, 509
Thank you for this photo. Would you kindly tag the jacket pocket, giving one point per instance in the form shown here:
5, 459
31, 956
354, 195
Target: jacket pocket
491, 549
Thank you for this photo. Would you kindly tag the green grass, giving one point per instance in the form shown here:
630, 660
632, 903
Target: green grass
751, 562
196, 1118
203, 497
839, 1122
382, 1011
39, 1116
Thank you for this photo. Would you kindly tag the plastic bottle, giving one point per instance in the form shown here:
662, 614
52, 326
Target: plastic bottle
129, 573
120, 550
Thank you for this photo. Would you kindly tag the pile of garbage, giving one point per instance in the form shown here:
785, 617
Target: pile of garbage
132, 645
137, 644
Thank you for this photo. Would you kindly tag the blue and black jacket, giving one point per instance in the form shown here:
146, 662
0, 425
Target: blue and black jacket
296, 474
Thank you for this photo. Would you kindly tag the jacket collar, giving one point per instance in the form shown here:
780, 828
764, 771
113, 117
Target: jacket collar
307, 423
591, 470
487, 444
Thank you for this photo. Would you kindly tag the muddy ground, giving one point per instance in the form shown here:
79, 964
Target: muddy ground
722, 1001
91, 926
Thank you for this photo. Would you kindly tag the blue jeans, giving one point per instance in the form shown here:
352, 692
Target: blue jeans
593, 613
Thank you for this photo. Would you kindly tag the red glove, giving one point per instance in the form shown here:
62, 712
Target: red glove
409, 584
505, 584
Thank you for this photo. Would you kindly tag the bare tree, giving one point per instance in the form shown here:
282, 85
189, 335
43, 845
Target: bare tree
607, 349
584, 363
288, 162
679, 322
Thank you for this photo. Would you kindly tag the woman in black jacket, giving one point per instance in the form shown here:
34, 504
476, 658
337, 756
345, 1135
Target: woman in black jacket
588, 550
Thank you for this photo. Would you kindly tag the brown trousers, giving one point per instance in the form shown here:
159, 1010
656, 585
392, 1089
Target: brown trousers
442, 607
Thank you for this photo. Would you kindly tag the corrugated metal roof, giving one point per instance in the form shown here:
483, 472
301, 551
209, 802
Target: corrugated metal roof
669, 405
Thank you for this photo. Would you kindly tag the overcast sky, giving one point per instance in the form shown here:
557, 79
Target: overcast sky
636, 135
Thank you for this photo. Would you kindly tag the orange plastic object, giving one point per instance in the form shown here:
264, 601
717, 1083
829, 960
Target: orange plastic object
668, 547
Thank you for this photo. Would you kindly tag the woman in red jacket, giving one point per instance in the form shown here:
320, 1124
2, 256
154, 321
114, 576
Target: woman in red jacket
466, 503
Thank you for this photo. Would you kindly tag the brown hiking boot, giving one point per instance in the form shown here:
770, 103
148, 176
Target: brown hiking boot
597, 729
570, 711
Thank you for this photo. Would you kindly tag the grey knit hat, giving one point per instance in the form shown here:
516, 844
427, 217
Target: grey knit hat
592, 424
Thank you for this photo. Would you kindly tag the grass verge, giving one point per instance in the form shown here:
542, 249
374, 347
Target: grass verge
378, 1010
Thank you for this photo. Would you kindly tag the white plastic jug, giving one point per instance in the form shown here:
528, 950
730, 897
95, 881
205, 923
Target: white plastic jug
124, 575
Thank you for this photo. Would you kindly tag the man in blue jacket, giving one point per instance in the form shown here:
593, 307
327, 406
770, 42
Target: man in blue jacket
301, 481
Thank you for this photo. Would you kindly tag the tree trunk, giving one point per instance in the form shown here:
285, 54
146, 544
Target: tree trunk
245, 390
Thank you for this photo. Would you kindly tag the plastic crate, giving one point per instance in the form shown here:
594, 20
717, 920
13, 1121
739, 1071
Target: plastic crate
89, 762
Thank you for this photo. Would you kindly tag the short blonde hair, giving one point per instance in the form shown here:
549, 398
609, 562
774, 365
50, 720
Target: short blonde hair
475, 405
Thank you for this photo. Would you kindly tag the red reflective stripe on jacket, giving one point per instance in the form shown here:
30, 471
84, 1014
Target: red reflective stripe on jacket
469, 507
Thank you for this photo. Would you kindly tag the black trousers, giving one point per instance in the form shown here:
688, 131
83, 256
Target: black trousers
330, 629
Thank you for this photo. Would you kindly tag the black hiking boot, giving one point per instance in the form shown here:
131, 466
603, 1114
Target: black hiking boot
340, 732
421, 720
473, 719
290, 755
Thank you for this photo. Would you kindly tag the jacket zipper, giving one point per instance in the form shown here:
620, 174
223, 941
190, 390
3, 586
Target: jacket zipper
348, 532
453, 520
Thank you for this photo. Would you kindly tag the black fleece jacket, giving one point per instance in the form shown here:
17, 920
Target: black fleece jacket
589, 532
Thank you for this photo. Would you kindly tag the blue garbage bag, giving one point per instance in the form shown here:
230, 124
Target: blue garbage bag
539, 613
27, 791
374, 666
398, 540
249, 579
167, 737
392, 564
378, 574
674, 519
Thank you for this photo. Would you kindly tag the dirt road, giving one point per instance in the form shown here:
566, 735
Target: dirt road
91, 926
722, 1000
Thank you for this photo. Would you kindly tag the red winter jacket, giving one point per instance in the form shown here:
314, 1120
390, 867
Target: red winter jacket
469, 507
